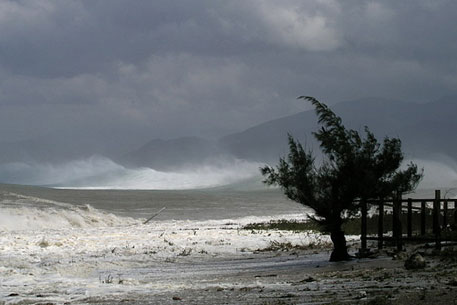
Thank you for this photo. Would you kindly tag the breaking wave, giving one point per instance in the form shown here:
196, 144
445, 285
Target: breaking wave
20, 212
103, 173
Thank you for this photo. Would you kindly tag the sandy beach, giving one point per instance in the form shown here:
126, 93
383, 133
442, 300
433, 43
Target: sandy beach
197, 266
303, 277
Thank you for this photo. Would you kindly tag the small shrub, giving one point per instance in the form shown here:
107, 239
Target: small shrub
284, 225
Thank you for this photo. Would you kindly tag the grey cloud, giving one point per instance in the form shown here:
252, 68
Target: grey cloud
130, 71
66, 38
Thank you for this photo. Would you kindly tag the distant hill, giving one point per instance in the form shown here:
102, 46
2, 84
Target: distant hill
424, 129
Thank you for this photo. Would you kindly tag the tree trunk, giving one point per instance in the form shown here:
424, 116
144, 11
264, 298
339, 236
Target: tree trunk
340, 251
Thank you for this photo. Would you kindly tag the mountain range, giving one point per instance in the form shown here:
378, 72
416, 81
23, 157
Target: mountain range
425, 130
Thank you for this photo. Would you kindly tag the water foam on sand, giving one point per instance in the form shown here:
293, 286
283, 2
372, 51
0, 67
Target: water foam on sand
71, 260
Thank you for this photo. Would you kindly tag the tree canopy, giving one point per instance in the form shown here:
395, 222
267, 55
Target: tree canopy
354, 168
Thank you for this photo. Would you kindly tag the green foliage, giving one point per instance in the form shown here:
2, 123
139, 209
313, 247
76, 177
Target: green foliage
354, 168
351, 225
284, 225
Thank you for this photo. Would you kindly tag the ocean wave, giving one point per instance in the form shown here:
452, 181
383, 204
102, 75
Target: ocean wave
18, 218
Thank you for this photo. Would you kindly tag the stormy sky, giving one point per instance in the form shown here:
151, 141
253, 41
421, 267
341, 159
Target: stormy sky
125, 72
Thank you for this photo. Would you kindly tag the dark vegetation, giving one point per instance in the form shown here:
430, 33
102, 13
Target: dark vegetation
351, 225
354, 168
284, 225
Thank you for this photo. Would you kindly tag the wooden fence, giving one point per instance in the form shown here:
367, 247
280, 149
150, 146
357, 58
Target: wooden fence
442, 219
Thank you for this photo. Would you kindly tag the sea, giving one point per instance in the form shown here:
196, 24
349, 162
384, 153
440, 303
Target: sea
24, 205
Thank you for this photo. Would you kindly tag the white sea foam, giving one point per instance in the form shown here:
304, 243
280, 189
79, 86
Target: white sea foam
34, 218
24, 200
102, 173
75, 262
21, 212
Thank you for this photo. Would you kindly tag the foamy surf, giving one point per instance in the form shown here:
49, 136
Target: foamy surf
73, 263
21, 212
29, 218
52, 251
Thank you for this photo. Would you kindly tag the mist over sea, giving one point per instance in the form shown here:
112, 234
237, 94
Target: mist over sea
98, 172
204, 192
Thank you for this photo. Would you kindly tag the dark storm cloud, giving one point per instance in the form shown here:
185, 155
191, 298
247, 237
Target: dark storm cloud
143, 69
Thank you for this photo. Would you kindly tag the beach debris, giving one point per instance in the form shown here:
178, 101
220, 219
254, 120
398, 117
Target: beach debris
267, 275
367, 253
176, 299
423, 294
283, 247
309, 279
288, 296
185, 252
43, 243
155, 215
453, 282
415, 261
400, 256
362, 294
379, 300
108, 279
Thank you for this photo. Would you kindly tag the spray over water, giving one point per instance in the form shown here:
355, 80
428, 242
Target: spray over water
102, 173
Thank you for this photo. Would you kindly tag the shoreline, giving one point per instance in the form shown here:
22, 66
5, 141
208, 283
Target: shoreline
306, 277
288, 277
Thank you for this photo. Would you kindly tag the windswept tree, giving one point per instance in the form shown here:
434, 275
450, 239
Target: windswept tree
354, 168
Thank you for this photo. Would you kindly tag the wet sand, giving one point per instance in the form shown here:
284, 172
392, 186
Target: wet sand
301, 277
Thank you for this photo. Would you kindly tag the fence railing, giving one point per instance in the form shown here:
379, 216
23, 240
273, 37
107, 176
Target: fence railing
406, 212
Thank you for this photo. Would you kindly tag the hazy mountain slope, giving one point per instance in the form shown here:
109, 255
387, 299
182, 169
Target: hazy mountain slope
423, 128
171, 154
268, 141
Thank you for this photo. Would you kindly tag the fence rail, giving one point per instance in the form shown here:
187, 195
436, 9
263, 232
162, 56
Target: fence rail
440, 211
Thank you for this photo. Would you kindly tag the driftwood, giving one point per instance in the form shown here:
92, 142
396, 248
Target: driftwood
153, 216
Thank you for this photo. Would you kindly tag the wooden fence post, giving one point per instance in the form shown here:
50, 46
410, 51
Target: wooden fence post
445, 208
381, 224
363, 233
396, 222
423, 217
409, 221
436, 219
455, 212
